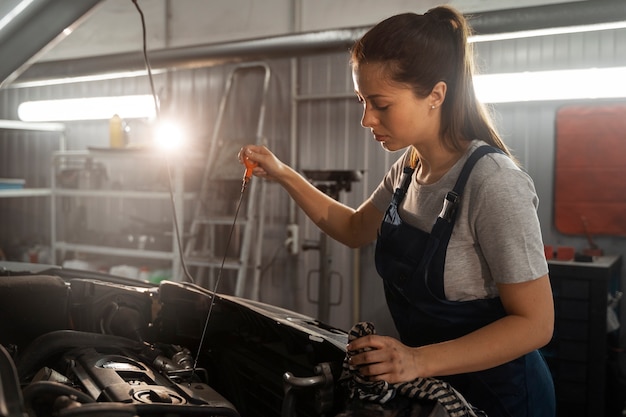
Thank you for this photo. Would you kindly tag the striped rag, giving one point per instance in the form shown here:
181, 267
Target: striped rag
420, 388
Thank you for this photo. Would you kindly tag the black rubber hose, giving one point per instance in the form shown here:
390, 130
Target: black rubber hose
186, 410
13, 403
147, 410
56, 342
38, 389
100, 410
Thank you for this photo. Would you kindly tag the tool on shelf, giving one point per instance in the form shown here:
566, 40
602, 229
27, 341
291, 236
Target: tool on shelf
593, 249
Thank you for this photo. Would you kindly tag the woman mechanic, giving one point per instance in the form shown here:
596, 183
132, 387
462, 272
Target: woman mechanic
458, 241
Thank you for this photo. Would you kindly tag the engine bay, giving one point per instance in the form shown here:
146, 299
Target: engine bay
77, 343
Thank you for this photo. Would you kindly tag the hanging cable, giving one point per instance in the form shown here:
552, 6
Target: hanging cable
157, 111
249, 166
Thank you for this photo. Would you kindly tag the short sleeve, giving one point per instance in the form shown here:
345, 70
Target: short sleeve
507, 226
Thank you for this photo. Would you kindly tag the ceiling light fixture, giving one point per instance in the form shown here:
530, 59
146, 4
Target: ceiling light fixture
547, 32
593, 83
92, 108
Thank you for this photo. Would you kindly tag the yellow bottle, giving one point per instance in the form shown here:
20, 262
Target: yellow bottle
116, 132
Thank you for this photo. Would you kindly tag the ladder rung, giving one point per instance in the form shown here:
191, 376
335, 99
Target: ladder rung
209, 262
219, 220
208, 220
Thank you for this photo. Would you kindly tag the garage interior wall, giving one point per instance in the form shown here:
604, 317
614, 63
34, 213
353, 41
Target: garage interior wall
329, 136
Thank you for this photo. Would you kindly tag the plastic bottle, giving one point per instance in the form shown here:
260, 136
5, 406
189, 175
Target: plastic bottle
127, 271
159, 275
116, 132
144, 273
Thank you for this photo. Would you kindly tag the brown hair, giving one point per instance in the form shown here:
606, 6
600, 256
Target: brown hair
421, 50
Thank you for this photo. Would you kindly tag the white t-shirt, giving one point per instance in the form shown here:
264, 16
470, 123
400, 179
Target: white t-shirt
496, 237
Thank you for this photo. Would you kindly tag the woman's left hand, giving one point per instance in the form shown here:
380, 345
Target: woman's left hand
383, 358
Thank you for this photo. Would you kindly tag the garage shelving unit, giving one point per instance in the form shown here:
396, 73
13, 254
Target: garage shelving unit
17, 125
91, 180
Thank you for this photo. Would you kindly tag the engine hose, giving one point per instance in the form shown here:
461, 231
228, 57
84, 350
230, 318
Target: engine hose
185, 410
139, 410
100, 410
37, 390
59, 341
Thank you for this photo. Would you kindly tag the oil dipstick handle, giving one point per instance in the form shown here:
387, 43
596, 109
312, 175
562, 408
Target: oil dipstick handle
250, 165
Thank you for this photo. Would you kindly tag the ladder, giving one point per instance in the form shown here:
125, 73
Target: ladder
220, 188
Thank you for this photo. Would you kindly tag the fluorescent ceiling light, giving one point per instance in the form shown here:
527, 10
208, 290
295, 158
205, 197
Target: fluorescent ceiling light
547, 32
594, 83
591, 83
82, 79
93, 108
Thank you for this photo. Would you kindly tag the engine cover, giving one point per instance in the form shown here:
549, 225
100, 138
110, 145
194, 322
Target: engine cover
123, 378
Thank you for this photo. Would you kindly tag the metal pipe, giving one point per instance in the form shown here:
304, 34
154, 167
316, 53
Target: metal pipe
579, 13
196, 56
37, 27
308, 43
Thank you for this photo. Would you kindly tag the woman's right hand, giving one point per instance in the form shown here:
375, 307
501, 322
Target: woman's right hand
353, 228
268, 165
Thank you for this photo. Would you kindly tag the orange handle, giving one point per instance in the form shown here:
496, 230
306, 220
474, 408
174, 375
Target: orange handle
250, 165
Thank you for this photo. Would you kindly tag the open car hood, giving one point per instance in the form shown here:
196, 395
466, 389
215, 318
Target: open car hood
77, 342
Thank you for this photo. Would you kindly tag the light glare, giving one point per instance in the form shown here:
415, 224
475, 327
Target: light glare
168, 136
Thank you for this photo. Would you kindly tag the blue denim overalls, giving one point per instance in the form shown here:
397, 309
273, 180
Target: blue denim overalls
411, 263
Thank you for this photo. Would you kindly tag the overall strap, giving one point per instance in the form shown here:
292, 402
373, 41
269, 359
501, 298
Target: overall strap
442, 230
451, 201
400, 192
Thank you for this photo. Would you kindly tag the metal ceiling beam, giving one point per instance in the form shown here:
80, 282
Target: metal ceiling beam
34, 26
197, 56
579, 13
493, 22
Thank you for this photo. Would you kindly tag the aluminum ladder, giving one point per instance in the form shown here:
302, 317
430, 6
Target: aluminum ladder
213, 216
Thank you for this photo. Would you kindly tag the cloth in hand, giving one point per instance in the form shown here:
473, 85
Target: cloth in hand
420, 388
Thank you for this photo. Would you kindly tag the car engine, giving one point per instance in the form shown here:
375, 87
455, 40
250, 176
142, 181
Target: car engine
78, 343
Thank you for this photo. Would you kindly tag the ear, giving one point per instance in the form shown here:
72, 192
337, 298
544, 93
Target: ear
438, 94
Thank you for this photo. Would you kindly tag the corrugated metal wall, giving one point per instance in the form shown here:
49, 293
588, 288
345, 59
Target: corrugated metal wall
328, 136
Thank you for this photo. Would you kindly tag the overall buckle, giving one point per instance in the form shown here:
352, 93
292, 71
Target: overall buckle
449, 206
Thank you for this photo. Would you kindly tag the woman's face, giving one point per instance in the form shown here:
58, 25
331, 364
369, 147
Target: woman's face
396, 117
